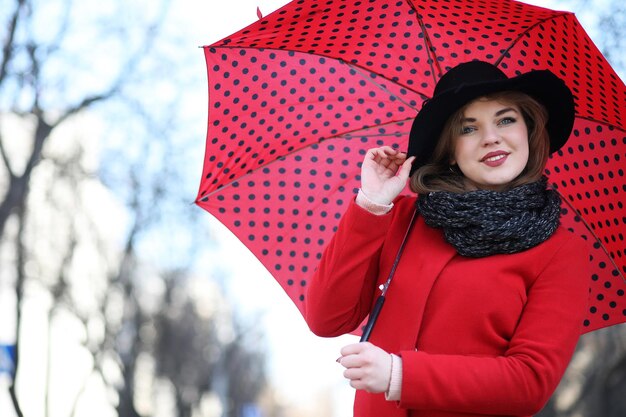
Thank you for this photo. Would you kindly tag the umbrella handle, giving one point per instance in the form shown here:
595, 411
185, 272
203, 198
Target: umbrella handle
381, 298
372, 318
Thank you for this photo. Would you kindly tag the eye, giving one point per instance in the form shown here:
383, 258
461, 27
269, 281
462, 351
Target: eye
507, 120
465, 130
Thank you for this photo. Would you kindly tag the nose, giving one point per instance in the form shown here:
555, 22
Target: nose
490, 136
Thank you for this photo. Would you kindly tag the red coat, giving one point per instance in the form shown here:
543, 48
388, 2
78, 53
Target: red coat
477, 336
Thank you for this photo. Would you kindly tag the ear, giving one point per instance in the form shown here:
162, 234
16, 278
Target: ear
451, 156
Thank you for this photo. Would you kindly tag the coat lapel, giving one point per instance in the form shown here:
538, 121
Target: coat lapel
425, 255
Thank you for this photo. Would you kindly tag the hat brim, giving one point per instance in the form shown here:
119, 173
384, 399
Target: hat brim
542, 85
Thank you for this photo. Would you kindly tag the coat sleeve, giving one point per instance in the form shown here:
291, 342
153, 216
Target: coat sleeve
340, 293
522, 380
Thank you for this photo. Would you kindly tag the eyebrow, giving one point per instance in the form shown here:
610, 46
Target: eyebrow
498, 113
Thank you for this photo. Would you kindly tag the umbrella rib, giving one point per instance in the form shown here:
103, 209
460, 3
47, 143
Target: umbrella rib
582, 219
345, 135
349, 136
514, 42
600, 122
380, 86
357, 68
430, 50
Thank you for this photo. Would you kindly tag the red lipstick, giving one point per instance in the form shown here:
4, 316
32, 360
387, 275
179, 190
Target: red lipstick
494, 159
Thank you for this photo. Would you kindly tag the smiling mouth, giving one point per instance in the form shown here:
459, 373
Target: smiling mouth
494, 158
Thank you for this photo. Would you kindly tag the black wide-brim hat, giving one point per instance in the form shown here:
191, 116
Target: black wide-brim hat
471, 80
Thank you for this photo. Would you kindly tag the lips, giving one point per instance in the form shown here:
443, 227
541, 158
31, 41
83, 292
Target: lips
494, 159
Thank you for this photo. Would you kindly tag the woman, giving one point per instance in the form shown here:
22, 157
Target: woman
488, 296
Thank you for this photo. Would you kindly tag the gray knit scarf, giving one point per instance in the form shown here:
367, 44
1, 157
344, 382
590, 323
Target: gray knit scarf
482, 223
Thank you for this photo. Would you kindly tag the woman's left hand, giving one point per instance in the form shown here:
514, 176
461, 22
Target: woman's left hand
368, 367
384, 174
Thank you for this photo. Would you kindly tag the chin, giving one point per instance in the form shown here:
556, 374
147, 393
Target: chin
493, 185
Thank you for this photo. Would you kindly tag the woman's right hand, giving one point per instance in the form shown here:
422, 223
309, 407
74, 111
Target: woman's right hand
368, 367
384, 174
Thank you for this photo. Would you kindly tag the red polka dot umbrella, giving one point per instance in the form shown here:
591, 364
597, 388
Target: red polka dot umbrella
296, 99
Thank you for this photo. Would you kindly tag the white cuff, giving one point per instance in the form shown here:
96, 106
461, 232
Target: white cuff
373, 207
395, 383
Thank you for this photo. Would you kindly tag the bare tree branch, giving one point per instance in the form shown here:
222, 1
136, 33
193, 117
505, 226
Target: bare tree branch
5, 157
129, 68
7, 48
55, 44
88, 102
19, 292
18, 185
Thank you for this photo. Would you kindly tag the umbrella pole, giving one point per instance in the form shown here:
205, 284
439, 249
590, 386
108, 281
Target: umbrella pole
367, 330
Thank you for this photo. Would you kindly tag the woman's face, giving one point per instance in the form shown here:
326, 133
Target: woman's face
491, 147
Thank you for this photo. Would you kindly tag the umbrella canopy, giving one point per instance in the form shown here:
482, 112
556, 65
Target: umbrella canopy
297, 98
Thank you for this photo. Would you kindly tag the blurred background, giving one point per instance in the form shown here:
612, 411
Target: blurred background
119, 296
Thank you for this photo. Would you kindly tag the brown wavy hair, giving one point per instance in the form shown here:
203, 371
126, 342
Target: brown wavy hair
439, 175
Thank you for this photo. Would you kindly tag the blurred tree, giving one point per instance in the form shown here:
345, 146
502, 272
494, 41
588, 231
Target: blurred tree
186, 347
42, 86
195, 340
91, 120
